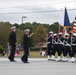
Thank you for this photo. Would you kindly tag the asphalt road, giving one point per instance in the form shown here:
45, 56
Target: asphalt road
37, 66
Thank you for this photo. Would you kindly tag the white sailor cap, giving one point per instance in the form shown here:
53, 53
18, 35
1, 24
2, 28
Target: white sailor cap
55, 34
51, 32
66, 34
74, 34
27, 30
60, 33
13, 27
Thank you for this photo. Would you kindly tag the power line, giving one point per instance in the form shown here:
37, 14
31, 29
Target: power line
38, 12
39, 5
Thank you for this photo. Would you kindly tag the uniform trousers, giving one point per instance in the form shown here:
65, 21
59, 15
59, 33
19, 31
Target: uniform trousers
67, 50
73, 50
60, 49
26, 53
55, 49
12, 52
49, 49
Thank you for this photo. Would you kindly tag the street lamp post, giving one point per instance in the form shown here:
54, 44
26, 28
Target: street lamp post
22, 20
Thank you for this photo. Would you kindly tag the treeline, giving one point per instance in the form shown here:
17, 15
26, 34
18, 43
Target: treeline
40, 32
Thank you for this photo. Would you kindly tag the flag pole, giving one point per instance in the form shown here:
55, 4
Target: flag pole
61, 20
65, 23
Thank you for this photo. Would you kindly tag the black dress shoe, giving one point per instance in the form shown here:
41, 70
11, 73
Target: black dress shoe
13, 60
26, 62
21, 59
9, 58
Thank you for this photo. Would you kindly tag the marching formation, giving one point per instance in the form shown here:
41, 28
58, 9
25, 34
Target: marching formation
56, 43
61, 45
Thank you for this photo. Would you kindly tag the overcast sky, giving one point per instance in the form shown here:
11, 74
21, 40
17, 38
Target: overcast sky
8, 8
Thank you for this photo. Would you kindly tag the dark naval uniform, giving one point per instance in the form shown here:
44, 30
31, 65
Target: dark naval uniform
67, 48
12, 41
60, 45
55, 45
73, 45
49, 46
26, 48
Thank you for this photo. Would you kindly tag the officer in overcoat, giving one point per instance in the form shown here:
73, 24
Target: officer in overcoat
12, 42
26, 39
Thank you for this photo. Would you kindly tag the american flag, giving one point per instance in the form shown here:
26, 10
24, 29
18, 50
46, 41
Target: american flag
74, 26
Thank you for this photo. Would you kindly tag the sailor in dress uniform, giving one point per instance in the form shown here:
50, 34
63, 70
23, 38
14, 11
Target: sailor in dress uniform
73, 47
49, 45
60, 46
67, 48
55, 46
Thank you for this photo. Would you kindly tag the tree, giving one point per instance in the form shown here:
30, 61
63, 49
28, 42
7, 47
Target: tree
55, 27
19, 35
40, 35
4, 31
17, 25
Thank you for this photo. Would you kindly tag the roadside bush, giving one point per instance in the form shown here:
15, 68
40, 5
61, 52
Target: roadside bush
1, 48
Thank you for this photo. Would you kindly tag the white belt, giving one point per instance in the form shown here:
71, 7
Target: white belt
60, 43
73, 44
66, 45
48, 42
55, 43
